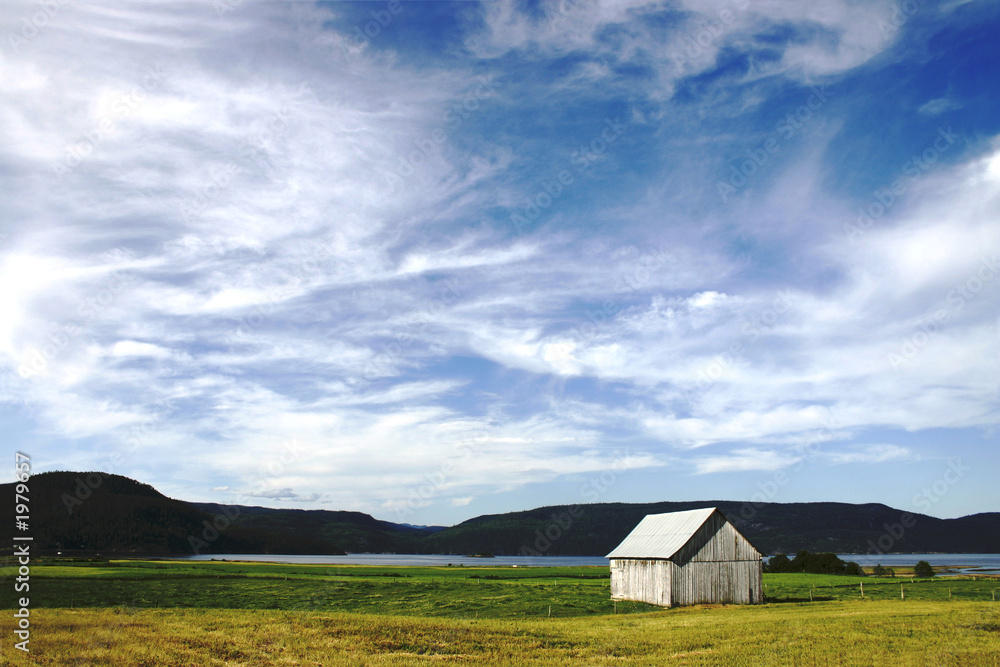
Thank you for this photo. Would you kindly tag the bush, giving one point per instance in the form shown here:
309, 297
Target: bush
825, 563
923, 569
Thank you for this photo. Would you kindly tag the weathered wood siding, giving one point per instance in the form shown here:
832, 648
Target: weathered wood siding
719, 582
716, 540
717, 565
642, 580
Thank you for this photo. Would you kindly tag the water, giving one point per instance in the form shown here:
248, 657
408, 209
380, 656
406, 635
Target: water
432, 560
963, 563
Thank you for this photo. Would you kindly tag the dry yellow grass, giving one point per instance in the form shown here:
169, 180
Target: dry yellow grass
831, 633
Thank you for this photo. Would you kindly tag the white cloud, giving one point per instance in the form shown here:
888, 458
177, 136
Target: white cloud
938, 106
132, 348
878, 453
841, 35
741, 460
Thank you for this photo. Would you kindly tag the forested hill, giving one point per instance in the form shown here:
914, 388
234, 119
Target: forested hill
92, 512
772, 527
95, 512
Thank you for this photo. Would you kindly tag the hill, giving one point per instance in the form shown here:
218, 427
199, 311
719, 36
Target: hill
353, 531
94, 512
111, 514
773, 527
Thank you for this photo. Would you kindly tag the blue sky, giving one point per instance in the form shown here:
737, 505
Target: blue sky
430, 260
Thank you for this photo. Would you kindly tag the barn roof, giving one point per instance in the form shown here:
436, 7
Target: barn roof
661, 535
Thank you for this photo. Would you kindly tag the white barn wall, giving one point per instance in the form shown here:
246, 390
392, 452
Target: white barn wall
642, 580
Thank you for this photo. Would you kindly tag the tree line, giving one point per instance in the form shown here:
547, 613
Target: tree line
830, 563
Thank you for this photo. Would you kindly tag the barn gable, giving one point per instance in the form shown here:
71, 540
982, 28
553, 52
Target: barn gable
661, 535
688, 557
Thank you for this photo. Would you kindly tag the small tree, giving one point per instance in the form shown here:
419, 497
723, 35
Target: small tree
923, 569
879, 571
778, 563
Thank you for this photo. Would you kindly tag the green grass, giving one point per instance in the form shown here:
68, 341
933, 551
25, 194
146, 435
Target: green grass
457, 592
462, 592
824, 587
231, 613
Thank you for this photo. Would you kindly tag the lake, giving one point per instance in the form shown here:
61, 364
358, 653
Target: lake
965, 563
431, 560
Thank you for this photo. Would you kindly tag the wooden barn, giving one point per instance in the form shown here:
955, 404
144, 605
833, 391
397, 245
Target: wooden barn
684, 558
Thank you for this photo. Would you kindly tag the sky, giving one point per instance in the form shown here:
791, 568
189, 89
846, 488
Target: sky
432, 260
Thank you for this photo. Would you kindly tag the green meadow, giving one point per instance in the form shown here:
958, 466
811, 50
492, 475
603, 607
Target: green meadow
231, 613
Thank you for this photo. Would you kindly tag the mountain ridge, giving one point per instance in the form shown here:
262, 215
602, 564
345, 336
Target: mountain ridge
95, 512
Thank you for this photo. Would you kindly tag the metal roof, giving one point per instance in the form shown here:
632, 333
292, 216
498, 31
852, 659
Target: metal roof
661, 535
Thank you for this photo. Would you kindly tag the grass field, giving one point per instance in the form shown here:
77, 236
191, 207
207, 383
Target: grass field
226, 613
